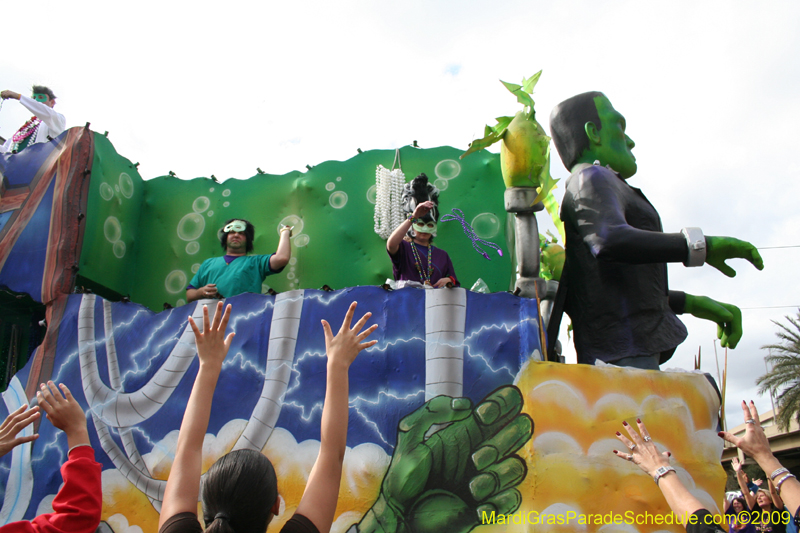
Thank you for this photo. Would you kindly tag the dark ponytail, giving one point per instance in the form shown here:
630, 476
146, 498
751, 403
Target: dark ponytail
238, 492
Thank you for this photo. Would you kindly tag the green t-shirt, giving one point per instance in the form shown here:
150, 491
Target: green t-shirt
244, 274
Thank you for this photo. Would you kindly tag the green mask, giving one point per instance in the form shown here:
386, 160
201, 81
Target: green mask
40, 97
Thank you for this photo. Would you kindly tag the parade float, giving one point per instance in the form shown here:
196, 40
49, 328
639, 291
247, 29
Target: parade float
94, 262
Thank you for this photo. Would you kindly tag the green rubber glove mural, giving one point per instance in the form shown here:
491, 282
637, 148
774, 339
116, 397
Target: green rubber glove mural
444, 483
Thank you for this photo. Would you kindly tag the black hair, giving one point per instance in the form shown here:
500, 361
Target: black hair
420, 190
249, 233
239, 491
567, 122
41, 89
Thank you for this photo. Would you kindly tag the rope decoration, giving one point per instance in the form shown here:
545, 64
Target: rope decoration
458, 216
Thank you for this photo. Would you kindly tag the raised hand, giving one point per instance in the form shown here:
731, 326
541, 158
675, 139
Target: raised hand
423, 209
727, 317
212, 345
642, 450
64, 412
737, 466
345, 346
719, 249
13, 424
754, 443
444, 483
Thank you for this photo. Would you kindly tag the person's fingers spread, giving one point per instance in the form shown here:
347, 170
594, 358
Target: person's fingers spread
194, 327
366, 333
368, 344
360, 323
635, 437
625, 440
67, 393
348, 317
229, 339
55, 392
226, 316
729, 437
326, 328
206, 321
754, 413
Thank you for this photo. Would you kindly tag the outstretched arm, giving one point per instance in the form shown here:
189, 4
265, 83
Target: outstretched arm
183, 484
281, 257
748, 496
318, 503
56, 122
755, 444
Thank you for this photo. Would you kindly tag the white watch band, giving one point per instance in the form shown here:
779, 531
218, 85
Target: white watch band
661, 472
696, 243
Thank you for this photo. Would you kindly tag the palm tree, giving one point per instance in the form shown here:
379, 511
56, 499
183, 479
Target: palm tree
785, 373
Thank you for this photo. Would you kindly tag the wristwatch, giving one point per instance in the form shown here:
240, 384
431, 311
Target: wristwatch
661, 472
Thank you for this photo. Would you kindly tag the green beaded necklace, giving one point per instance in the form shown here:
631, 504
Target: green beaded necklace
418, 262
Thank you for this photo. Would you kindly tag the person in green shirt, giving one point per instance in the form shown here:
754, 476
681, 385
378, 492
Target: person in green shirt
237, 271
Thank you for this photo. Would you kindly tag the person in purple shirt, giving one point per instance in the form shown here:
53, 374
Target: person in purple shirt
414, 258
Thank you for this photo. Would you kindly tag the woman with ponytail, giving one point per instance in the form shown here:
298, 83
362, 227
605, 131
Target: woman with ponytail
240, 491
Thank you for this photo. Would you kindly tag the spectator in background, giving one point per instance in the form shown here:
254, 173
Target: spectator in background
79, 502
44, 125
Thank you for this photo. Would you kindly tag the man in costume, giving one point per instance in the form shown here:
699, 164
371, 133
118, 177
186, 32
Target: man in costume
415, 261
45, 124
615, 273
237, 272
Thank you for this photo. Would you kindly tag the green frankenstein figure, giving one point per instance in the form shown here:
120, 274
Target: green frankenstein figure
468, 467
615, 277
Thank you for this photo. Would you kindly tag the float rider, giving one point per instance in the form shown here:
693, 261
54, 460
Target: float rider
44, 125
237, 272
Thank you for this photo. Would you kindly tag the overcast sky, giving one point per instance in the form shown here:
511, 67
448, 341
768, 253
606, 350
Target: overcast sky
709, 90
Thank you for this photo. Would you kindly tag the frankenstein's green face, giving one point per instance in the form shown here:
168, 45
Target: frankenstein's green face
614, 148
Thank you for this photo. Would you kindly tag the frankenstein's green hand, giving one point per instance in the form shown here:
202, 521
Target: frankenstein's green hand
728, 318
719, 249
445, 482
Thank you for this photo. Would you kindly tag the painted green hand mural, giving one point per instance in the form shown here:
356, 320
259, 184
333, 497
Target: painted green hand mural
444, 483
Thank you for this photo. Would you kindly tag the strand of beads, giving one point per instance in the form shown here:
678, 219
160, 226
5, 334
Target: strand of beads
418, 262
458, 215
388, 191
27, 129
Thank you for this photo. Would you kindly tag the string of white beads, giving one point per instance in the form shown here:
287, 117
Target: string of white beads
388, 210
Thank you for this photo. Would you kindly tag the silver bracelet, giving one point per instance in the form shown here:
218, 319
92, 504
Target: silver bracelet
696, 242
778, 472
661, 472
779, 483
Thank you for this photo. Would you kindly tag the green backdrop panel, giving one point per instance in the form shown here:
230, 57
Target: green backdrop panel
167, 226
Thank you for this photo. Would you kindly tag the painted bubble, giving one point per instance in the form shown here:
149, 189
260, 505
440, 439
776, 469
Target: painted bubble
486, 225
338, 199
125, 185
294, 221
301, 240
440, 184
112, 229
211, 189
200, 204
290, 275
119, 249
330, 186
179, 302
226, 204
447, 169
195, 268
339, 178
210, 213
192, 247
116, 188
175, 282
226, 192
191, 226
293, 261
372, 195
106, 192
